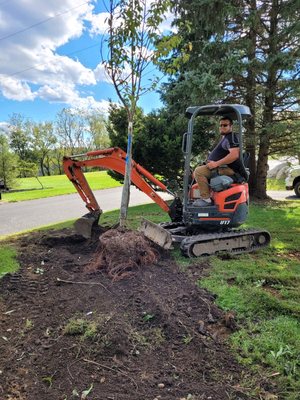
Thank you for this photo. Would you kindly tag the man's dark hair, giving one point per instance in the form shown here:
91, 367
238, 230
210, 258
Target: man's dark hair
228, 119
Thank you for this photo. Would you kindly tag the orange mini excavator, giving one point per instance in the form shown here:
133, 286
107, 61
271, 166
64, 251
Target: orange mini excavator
198, 230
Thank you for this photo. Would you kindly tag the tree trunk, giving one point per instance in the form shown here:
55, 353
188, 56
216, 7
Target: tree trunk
250, 98
42, 167
268, 113
251, 149
4, 171
262, 163
127, 177
262, 169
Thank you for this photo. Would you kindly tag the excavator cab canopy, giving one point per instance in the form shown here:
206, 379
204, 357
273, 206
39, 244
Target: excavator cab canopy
236, 112
230, 110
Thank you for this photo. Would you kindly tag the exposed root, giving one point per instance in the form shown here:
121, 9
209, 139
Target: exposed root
121, 252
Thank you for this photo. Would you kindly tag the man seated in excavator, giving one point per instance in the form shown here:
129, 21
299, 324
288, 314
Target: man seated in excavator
200, 229
224, 159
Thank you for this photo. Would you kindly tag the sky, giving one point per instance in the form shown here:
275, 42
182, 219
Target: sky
50, 58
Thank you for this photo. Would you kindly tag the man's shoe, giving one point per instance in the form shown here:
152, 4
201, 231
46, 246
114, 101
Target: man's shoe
202, 203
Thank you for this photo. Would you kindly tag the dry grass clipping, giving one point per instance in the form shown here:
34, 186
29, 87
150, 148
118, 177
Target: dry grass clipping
121, 252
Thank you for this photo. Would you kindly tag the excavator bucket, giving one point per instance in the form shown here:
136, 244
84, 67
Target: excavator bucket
84, 225
156, 233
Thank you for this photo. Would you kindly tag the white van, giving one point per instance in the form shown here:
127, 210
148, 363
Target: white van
292, 181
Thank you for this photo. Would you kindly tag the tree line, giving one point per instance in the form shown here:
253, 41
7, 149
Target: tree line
37, 149
29, 148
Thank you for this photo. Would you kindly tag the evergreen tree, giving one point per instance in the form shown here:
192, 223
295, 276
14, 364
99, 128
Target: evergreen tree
157, 144
240, 51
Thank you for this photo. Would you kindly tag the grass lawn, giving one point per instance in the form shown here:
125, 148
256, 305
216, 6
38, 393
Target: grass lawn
47, 186
8, 262
56, 185
261, 288
275, 184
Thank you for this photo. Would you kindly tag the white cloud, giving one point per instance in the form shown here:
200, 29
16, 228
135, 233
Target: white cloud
58, 68
30, 23
14, 89
99, 23
68, 94
90, 103
100, 74
60, 93
166, 25
4, 127
31, 32
33, 63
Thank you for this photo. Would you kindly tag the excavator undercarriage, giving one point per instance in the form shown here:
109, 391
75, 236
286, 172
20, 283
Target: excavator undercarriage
203, 243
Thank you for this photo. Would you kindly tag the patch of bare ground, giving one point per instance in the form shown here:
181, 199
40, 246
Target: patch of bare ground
117, 322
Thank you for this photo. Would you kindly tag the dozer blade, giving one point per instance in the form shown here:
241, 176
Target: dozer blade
84, 225
156, 233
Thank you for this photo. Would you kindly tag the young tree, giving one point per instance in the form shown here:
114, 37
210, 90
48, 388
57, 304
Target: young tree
117, 126
27, 169
132, 32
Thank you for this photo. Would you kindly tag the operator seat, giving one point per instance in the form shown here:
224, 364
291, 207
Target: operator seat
243, 175
222, 182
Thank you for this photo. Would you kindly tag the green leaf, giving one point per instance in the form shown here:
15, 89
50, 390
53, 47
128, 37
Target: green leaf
86, 392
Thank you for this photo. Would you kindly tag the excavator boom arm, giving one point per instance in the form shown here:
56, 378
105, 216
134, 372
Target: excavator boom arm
114, 159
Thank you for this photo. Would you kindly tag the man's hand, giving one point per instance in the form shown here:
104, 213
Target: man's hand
232, 156
212, 164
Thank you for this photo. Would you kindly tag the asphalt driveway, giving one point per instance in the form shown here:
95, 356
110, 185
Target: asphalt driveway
24, 215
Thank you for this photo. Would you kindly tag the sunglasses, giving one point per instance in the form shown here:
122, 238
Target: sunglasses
223, 125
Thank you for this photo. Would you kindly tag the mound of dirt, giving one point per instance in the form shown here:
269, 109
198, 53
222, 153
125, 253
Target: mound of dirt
66, 333
121, 252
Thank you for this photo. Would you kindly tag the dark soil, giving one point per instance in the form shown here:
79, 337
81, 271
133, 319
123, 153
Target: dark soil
69, 330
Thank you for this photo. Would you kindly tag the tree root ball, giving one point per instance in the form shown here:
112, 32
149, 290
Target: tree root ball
121, 252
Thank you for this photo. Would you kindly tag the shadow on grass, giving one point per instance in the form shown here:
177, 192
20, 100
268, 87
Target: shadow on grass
28, 190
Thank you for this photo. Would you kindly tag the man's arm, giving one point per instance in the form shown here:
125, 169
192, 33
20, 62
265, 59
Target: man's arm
233, 155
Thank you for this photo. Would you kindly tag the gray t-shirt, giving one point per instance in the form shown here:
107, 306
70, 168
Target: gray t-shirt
221, 150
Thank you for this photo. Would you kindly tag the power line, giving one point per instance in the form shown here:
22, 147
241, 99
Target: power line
41, 22
65, 55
